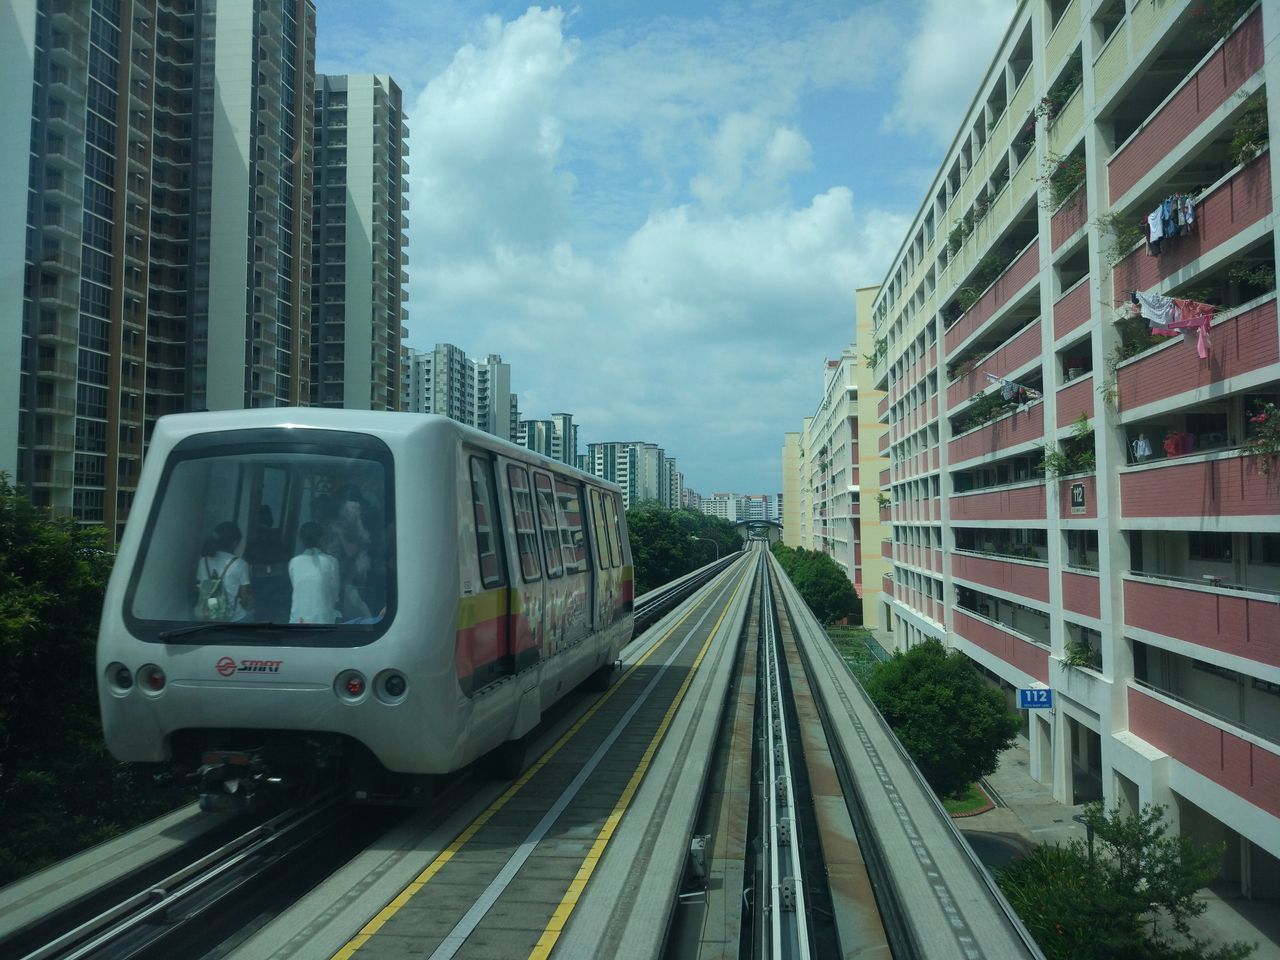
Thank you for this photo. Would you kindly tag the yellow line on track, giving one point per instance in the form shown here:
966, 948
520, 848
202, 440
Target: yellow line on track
436, 865
560, 918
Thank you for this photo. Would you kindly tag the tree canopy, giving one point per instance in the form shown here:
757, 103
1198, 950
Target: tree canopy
662, 547
951, 722
1128, 893
59, 789
821, 582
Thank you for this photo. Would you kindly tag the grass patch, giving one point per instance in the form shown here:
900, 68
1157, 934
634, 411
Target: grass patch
972, 799
858, 648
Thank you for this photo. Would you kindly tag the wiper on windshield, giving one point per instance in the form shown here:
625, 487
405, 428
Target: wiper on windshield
241, 625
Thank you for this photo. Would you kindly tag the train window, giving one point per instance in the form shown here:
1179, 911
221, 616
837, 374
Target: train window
615, 531
487, 544
526, 526
598, 526
573, 538
285, 531
550, 527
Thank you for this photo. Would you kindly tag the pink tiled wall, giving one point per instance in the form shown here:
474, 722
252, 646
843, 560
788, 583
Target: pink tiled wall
1247, 341
1018, 503
1021, 272
1220, 76
1024, 579
1246, 769
1025, 425
1217, 620
1233, 487
1027, 657
1080, 594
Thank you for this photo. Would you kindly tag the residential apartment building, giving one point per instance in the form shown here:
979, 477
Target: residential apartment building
155, 230
478, 393
642, 470
556, 438
823, 479
359, 244
1077, 504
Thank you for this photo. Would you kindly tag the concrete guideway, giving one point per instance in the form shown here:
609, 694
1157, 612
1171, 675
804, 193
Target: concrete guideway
953, 907
502, 876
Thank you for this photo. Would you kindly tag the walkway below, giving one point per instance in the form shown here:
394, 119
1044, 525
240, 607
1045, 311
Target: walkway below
1031, 816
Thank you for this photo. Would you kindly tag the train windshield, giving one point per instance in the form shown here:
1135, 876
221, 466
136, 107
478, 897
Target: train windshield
277, 542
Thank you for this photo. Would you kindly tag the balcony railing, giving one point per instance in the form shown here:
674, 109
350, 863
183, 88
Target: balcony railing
1025, 425
1240, 623
1216, 485
1243, 340
1223, 211
1020, 576
1014, 649
1024, 269
1207, 744
1223, 73
1020, 502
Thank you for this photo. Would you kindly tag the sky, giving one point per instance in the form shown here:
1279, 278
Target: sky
658, 212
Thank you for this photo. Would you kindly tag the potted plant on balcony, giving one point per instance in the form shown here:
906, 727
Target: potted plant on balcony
1263, 442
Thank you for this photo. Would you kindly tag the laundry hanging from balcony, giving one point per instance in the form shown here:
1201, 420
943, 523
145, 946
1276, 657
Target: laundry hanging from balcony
1015, 392
1170, 317
1174, 216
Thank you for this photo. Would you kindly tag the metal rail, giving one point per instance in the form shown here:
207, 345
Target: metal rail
788, 915
147, 915
654, 604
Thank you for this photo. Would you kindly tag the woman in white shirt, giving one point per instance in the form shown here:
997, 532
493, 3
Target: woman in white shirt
226, 574
314, 576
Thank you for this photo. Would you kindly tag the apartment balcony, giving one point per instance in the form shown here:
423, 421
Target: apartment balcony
1226, 210
69, 15
1175, 120
1012, 575
53, 368
1207, 613
58, 479
1243, 341
1025, 425
1081, 593
54, 440
1024, 270
56, 404
60, 331
1216, 486
1014, 649
1075, 400
1025, 502
1021, 349
1243, 763
1069, 218
886, 585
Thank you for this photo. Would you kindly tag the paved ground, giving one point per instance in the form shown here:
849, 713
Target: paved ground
1031, 815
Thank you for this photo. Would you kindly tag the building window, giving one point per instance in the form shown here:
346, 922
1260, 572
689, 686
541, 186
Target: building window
1209, 546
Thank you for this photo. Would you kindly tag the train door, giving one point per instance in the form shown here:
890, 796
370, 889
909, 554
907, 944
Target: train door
619, 553
578, 569
528, 591
483, 647
606, 576
556, 590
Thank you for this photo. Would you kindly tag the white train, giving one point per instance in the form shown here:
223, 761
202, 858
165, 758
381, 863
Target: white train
377, 593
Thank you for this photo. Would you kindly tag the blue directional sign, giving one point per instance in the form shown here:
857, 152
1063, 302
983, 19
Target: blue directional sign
1035, 698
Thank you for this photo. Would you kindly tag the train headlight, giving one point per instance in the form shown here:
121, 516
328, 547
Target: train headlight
351, 686
119, 678
151, 678
390, 686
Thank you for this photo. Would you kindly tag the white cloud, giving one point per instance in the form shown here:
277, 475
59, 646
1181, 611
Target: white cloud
613, 214
944, 62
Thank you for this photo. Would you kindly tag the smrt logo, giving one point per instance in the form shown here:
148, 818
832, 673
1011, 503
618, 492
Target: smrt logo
226, 666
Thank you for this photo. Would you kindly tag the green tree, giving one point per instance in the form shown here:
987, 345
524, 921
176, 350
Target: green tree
951, 722
662, 547
1129, 893
59, 790
821, 583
